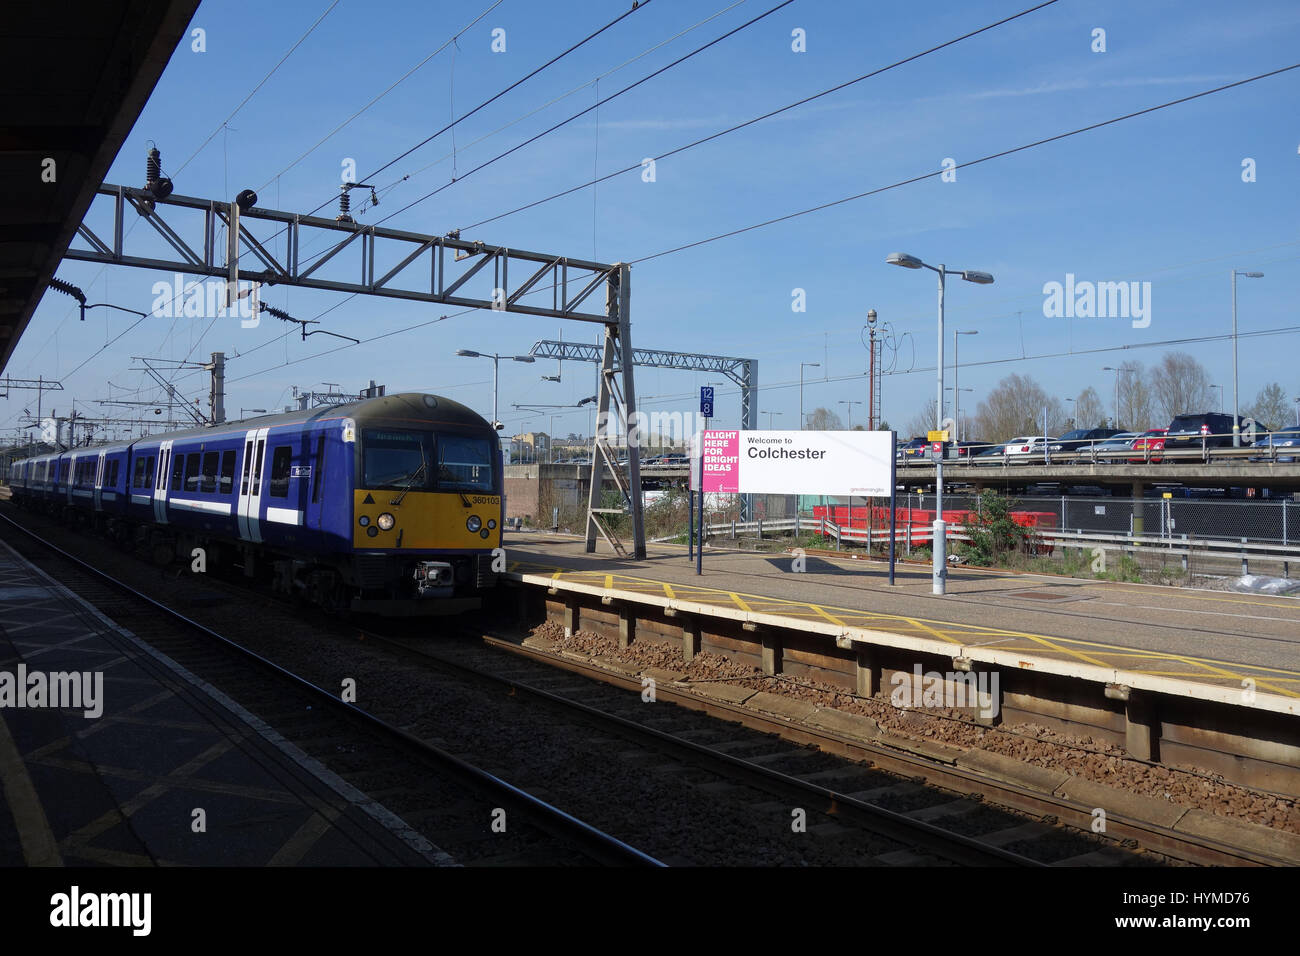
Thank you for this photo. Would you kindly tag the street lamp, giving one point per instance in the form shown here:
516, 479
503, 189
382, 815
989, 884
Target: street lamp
1220, 388
1236, 420
770, 414
1111, 368
802, 366
259, 411
940, 573
470, 353
956, 392
850, 403
1074, 421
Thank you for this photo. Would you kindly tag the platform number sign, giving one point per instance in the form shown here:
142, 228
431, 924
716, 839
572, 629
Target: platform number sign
706, 401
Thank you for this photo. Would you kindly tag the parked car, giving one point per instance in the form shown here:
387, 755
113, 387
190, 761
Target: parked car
1082, 438
1185, 432
1028, 445
1122, 441
1149, 443
1288, 438
991, 455
913, 448
964, 450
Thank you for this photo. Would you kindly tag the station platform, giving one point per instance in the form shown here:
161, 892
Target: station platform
116, 780
1187, 642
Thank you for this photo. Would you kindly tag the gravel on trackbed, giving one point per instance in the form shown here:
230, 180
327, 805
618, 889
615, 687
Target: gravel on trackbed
1030, 743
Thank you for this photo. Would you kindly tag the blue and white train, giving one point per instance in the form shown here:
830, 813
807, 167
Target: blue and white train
391, 505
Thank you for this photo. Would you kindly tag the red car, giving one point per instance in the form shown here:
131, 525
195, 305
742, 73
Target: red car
1150, 441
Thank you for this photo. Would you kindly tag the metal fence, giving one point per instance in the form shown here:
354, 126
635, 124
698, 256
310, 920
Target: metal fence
1272, 521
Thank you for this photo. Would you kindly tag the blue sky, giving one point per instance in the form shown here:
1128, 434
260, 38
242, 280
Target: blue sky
1157, 199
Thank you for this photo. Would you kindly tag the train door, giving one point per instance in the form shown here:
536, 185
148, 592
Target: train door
160, 482
99, 481
251, 485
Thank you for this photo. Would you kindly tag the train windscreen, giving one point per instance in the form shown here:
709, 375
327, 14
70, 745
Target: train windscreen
423, 461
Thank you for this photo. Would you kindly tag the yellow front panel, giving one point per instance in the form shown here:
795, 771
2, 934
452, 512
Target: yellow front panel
425, 520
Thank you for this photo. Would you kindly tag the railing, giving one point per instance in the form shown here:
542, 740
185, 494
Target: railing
912, 536
1204, 454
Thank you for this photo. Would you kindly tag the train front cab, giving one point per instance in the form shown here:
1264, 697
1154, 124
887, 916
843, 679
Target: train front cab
426, 511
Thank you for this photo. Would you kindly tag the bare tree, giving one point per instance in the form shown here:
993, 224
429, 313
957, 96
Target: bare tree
1136, 410
1088, 411
923, 421
824, 420
1015, 407
1180, 385
1271, 409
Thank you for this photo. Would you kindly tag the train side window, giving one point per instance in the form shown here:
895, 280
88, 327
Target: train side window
192, 472
148, 471
257, 468
280, 459
248, 459
178, 471
210, 462
227, 472
316, 471
112, 472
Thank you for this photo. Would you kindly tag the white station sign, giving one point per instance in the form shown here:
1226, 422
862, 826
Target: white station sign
790, 463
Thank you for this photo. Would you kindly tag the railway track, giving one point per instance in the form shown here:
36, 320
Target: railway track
967, 790
736, 812
769, 765
735, 757
446, 799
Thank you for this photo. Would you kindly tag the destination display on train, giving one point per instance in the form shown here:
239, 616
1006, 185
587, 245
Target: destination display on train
788, 462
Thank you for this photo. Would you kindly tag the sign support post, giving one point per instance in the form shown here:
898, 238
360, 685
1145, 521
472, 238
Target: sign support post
893, 503
699, 547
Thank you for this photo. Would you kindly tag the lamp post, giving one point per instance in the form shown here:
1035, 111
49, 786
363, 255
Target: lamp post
802, 366
770, 414
1236, 420
1111, 368
956, 392
850, 404
470, 353
1220, 388
940, 573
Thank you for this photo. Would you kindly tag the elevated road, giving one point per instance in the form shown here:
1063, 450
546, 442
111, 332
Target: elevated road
1239, 472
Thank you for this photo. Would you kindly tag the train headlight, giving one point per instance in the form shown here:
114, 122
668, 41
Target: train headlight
492, 523
484, 533
385, 521
364, 521
474, 522
372, 531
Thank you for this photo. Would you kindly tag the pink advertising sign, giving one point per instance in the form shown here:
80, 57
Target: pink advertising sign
721, 461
